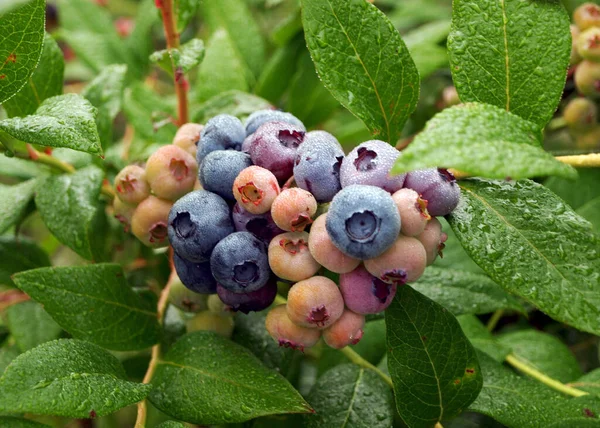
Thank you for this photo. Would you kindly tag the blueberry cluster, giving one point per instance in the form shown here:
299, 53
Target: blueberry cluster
275, 203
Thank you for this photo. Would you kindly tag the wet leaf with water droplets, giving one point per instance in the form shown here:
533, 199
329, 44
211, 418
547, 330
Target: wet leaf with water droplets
14, 202
30, 325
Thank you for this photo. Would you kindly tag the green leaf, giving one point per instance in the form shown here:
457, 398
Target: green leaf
591, 212
186, 11
520, 402
69, 206
586, 185
18, 254
7, 354
464, 292
235, 17
482, 339
8, 5
432, 364
20, 168
454, 256
30, 325
511, 54
140, 41
15, 199
278, 72
222, 69
533, 245
62, 121
236, 103
589, 382
183, 59
46, 82
544, 352
94, 303
105, 93
351, 396
12, 422
206, 379
424, 46
67, 378
482, 140
362, 60
172, 424
21, 40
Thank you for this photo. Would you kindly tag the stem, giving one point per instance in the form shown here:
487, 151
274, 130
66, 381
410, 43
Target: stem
172, 36
591, 160
360, 361
40, 157
514, 361
491, 325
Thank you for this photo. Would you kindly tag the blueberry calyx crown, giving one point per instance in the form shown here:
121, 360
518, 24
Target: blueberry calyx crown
362, 226
366, 160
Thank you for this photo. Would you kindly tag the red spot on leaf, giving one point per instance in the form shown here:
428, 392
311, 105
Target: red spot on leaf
11, 58
2, 76
588, 413
93, 414
470, 371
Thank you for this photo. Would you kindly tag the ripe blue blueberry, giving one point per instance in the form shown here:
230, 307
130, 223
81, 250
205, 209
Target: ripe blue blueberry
317, 165
219, 170
195, 276
240, 263
246, 302
222, 132
370, 163
438, 187
260, 225
197, 222
363, 221
256, 119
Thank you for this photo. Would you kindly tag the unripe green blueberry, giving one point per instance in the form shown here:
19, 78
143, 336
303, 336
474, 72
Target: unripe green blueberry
315, 302
325, 252
433, 239
209, 321
403, 262
587, 78
347, 330
185, 299
588, 44
187, 137
255, 188
575, 57
588, 140
289, 257
288, 334
171, 172
293, 209
586, 16
581, 114
123, 212
150, 222
131, 185
413, 211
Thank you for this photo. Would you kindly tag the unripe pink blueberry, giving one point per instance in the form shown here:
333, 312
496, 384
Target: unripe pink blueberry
413, 211
123, 212
150, 221
403, 262
325, 252
433, 239
315, 302
587, 78
588, 44
255, 189
293, 209
289, 257
365, 294
587, 15
187, 137
347, 330
171, 172
131, 185
288, 334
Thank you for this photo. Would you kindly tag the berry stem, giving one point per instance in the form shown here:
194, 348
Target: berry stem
169, 24
360, 361
491, 325
591, 160
514, 361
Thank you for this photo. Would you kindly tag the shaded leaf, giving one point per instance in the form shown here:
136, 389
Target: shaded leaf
30, 325
589, 382
591, 212
186, 10
182, 59
12, 422
279, 70
140, 41
424, 46
236, 103
454, 256
586, 185
18, 254
482, 339
7, 354
15, 199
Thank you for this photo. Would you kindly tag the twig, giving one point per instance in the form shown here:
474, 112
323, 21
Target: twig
491, 325
591, 160
360, 361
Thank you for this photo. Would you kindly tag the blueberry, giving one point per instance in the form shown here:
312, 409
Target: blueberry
255, 189
219, 170
370, 163
325, 252
256, 119
437, 186
131, 185
187, 137
197, 222
365, 294
240, 263
247, 302
347, 330
315, 303
222, 132
317, 165
287, 333
363, 221
195, 276
587, 15
171, 172
260, 225
149, 221
403, 262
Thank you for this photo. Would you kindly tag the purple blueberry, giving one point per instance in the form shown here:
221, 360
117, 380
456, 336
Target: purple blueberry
273, 147
197, 222
317, 165
365, 294
220, 168
437, 186
260, 225
247, 302
256, 119
363, 221
195, 276
222, 132
240, 263
370, 163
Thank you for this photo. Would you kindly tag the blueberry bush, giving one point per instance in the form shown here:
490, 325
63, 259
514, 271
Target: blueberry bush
299, 213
